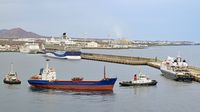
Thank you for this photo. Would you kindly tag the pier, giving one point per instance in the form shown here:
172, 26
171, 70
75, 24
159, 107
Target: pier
128, 60
195, 73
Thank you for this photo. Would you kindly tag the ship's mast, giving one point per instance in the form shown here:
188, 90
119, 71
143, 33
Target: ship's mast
47, 64
11, 68
45, 73
104, 75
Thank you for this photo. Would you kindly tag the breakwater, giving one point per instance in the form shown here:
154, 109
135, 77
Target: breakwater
152, 62
121, 59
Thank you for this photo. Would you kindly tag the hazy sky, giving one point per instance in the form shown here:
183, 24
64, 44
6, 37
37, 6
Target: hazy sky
132, 19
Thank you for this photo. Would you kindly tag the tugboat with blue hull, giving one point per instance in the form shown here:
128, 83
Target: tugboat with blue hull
139, 80
176, 69
11, 77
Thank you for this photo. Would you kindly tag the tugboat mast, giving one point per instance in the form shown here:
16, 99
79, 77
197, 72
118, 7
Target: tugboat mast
11, 68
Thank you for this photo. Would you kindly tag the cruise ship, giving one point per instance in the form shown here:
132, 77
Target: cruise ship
62, 48
176, 69
74, 55
31, 48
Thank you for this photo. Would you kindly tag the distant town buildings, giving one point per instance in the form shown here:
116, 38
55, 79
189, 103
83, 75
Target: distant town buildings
4, 47
92, 44
65, 42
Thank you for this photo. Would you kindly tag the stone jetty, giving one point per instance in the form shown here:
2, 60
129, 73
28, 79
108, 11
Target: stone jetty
120, 59
152, 62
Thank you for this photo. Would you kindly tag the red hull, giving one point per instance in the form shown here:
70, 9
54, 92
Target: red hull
77, 87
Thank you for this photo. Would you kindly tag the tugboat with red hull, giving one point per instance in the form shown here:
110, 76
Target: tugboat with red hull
47, 79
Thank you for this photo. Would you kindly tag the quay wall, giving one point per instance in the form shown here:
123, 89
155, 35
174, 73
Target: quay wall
195, 73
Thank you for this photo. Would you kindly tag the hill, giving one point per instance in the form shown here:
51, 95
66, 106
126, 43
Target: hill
18, 33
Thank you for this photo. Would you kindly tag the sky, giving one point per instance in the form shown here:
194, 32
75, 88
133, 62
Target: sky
131, 19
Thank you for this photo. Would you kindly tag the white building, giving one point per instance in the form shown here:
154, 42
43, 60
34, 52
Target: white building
4, 48
120, 46
25, 39
92, 44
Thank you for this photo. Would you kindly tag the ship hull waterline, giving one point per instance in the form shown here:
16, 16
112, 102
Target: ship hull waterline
153, 83
12, 82
175, 77
67, 55
63, 57
70, 85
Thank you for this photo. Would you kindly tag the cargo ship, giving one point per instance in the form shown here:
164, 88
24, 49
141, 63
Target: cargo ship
47, 79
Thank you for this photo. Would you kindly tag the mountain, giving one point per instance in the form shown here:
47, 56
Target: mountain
18, 33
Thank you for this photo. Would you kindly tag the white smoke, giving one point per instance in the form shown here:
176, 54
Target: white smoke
117, 31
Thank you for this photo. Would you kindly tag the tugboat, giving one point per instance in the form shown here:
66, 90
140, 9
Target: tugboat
176, 69
11, 77
139, 80
47, 80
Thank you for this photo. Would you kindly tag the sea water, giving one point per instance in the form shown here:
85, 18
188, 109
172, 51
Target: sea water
166, 96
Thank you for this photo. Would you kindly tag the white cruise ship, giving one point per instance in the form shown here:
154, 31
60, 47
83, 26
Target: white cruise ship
176, 69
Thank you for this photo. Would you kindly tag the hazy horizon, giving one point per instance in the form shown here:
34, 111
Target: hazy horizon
172, 20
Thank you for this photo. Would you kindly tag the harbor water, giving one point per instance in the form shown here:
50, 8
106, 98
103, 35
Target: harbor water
166, 96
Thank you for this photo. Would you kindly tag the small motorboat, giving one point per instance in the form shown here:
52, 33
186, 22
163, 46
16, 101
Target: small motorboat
11, 77
139, 80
